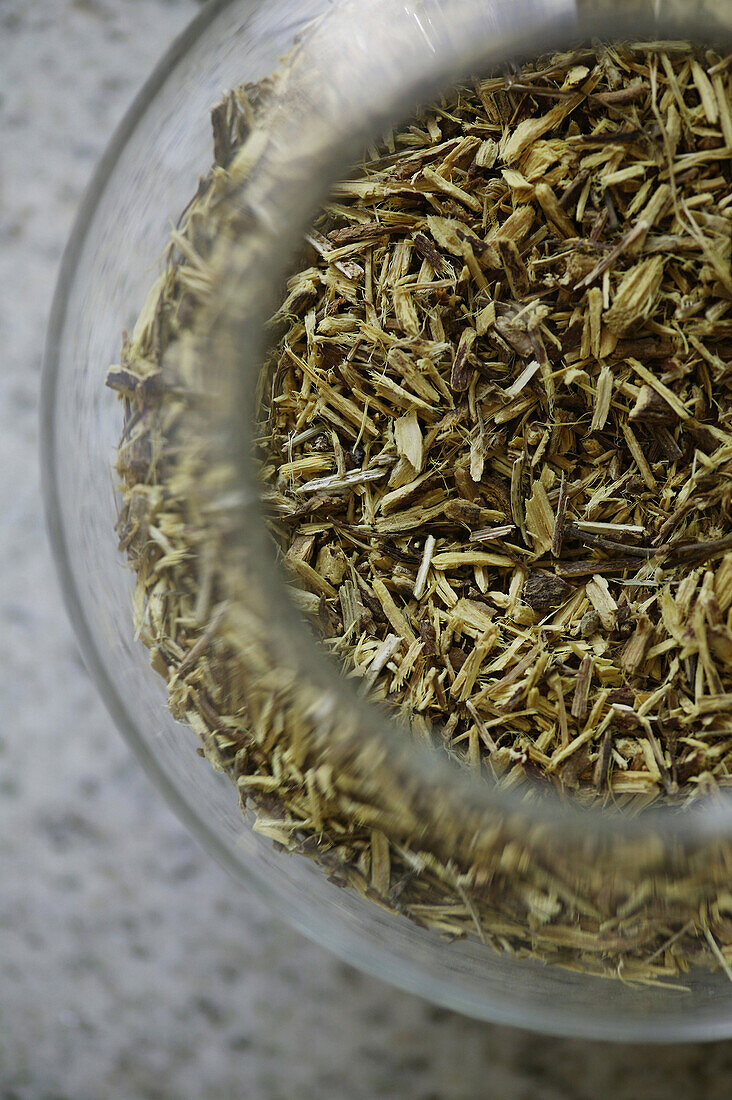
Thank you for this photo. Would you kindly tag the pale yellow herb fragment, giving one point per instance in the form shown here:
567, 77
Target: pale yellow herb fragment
408, 439
636, 295
540, 519
599, 595
603, 398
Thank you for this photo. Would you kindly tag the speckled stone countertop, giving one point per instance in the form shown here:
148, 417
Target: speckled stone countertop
130, 965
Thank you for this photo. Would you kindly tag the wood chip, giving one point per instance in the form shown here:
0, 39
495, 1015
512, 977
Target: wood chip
598, 593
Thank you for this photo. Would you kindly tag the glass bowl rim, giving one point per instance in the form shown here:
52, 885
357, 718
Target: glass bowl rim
691, 827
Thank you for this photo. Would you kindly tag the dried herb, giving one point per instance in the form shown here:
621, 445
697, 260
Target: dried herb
482, 335
496, 448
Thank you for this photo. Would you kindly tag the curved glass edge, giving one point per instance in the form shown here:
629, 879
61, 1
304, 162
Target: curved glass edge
279, 208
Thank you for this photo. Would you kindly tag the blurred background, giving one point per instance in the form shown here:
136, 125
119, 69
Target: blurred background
130, 965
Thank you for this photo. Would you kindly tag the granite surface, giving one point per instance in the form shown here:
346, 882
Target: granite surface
130, 965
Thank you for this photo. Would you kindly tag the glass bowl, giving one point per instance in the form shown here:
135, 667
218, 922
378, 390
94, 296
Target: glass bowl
145, 178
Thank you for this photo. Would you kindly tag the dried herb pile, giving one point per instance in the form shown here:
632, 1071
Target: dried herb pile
499, 441
496, 446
